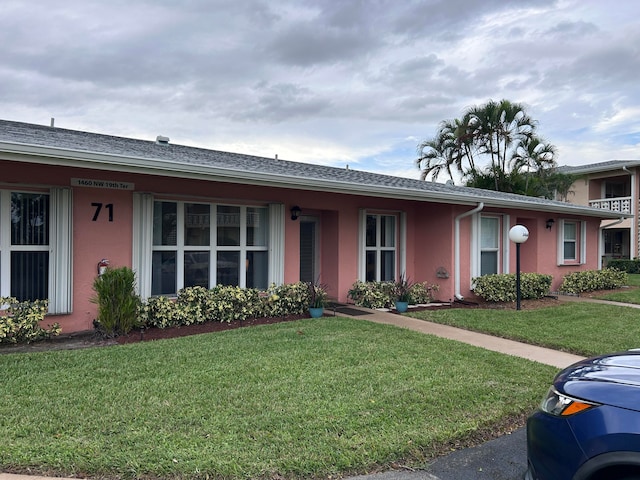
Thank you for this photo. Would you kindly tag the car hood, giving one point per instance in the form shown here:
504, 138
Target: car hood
612, 379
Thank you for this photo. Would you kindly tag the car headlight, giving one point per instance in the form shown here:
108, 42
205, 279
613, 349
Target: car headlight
561, 405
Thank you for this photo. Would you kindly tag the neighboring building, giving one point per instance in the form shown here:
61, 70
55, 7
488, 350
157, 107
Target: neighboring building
611, 186
182, 216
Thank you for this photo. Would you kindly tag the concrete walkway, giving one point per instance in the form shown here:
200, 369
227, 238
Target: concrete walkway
509, 347
537, 354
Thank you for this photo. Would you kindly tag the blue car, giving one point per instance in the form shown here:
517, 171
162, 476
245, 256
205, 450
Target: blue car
588, 424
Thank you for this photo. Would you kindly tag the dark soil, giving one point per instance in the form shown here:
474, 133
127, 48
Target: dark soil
95, 339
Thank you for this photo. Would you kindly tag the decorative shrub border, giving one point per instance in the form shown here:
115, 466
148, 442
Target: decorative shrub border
383, 294
592, 280
501, 287
224, 303
20, 321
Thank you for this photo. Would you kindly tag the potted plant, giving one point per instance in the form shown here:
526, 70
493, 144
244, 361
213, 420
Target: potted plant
402, 294
318, 299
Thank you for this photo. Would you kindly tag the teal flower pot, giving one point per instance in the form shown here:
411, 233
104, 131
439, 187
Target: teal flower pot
316, 312
402, 306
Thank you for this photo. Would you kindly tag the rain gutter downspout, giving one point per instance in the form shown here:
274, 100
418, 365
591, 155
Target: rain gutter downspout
601, 243
456, 252
633, 243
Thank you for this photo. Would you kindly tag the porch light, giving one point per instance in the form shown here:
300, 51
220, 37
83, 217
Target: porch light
295, 212
550, 223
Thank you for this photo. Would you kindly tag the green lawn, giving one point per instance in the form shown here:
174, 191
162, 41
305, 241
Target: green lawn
632, 295
310, 398
577, 327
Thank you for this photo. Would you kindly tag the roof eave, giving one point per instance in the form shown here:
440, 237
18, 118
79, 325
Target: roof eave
120, 163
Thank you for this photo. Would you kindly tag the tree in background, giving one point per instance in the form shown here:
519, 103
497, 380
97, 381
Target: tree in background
494, 146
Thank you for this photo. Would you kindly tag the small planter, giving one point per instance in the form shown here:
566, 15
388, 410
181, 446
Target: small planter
316, 312
402, 307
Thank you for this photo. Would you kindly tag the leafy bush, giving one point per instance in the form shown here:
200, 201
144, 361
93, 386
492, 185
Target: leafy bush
501, 287
592, 280
117, 301
625, 265
224, 303
384, 294
20, 321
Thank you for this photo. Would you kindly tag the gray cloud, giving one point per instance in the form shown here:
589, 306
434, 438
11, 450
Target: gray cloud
341, 79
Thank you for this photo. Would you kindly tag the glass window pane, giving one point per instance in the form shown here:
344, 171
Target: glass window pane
164, 223
30, 275
569, 250
569, 231
256, 226
372, 222
163, 273
371, 273
228, 268
388, 266
489, 232
488, 263
388, 228
29, 219
196, 224
196, 269
228, 226
257, 270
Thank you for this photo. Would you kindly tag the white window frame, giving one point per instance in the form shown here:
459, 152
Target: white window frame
399, 247
60, 279
503, 248
580, 242
143, 247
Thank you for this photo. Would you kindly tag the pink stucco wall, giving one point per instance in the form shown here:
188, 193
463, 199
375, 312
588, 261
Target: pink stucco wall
429, 236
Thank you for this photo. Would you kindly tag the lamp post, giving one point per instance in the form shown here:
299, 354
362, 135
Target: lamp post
518, 234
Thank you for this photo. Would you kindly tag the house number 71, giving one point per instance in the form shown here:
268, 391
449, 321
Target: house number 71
108, 206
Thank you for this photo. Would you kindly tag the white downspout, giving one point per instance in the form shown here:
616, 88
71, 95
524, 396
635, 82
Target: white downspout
456, 250
633, 240
601, 241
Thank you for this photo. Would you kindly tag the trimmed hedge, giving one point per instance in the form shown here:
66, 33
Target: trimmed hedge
224, 303
20, 321
382, 294
625, 265
592, 280
501, 287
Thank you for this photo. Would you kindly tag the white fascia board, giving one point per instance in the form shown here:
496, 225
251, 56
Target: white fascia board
127, 164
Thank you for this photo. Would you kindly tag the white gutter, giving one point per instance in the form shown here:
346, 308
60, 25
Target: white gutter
601, 241
456, 251
121, 164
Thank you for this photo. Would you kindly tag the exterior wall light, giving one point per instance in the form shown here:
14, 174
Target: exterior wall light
295, 212
550, 223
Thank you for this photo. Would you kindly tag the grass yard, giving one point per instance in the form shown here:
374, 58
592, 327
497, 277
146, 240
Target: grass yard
632, 295
309, 398
578, 327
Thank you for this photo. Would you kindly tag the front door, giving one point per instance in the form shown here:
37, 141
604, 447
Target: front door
309, 249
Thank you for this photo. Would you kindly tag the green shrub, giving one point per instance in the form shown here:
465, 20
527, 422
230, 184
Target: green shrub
20, 321
625, 265
383, 294
117, 301
224, 303
502, 287
592, 280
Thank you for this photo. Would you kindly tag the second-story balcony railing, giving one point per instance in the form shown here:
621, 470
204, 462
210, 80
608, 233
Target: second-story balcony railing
617, 204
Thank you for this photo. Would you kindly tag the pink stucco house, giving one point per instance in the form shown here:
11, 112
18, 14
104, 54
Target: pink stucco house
183, 216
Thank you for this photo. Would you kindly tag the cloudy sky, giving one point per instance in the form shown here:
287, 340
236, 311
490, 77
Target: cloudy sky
336, 82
